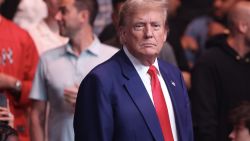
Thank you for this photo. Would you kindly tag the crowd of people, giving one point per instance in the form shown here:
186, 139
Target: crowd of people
123, 70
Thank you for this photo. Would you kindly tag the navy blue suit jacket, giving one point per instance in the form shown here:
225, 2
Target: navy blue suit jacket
113, 104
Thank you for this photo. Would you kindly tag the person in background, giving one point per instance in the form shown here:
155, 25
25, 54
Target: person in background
240, 119
177, 25
61, 70
18, 62
202, 28
46, 33
29, 13
109, 33
103, 17
220, 78
134, 95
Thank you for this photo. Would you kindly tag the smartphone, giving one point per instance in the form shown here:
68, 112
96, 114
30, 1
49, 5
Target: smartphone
3, 103
3, 100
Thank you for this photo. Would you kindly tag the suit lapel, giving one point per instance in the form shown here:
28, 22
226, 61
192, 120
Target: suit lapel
139, 95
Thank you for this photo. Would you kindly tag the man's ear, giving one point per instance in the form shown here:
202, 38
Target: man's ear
84, 16
122, 34
242, 26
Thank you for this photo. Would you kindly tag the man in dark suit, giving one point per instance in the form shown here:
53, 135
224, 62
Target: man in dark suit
134, 96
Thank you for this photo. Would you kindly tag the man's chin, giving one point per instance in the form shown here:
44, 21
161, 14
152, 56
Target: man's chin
150, 51
150, 54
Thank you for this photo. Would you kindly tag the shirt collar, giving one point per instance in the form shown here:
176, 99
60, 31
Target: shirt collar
138, 65
94, 48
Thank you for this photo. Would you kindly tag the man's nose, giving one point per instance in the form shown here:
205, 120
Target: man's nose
148, 31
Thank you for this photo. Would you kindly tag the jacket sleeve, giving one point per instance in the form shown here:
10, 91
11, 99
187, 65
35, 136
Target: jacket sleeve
93, 120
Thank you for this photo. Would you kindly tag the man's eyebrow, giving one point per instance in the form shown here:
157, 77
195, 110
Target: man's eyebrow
139, 22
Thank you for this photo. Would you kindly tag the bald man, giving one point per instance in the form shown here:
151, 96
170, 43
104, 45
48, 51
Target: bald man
221, 78
202, 28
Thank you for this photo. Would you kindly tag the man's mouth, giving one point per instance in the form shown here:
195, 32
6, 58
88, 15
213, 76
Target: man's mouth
148, 44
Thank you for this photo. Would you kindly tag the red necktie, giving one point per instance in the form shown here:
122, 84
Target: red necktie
160, 105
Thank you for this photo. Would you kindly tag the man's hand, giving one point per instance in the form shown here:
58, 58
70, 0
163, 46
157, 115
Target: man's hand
216, 28
70, 94
187, 78
189, 43
6, 115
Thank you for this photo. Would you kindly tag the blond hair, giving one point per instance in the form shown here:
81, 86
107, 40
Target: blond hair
131, 6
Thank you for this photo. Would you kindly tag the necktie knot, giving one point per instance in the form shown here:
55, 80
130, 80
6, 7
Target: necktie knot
152, 71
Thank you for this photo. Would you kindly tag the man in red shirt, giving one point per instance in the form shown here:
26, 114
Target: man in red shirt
18, 60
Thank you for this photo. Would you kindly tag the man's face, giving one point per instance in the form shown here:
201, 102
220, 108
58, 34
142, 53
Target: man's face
68, 18
240, 133
221, 7
144, 33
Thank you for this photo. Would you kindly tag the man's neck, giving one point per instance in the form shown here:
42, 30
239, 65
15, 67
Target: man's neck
82, 40
239, 45
148, 61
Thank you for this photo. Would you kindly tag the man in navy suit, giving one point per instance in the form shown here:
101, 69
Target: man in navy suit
134, 96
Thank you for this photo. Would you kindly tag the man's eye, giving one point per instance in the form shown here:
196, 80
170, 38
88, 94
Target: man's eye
156, 26
138, 27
